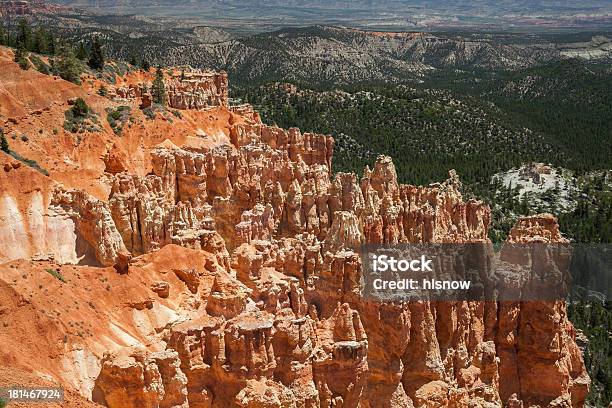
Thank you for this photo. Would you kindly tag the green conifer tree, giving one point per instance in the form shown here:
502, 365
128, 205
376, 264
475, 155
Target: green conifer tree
39, 42
81, 52
4, 146
24, 34
145, 65
3, 35
51, 44
96, 57
158, 89
21, 57
68, 67
133, 60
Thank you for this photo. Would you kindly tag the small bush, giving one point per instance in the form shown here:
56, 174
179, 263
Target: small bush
118, 117
68, 67
80, 108
103, 91
156, 108
40, 65
4, 146
21, 58
149, 112
24, 64
56, 274
80, 118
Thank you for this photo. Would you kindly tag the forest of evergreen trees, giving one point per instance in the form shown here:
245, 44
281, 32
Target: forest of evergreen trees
23, 36
65, 60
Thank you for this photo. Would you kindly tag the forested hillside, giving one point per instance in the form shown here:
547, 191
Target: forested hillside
479, 123
567, 101
427, 132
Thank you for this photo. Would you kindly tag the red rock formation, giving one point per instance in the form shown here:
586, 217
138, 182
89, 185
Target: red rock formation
136, 379
239, 282
197, 90
445, 354
94, 225
537, 343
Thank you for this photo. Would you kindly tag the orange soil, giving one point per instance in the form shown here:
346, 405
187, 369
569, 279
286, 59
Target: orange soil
44, 321
33, 104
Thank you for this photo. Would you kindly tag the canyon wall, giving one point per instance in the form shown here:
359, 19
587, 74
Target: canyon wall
187, 89
194, 89
227, 275
299, 333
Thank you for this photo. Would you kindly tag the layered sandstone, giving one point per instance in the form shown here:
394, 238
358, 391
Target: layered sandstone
534, 333
293, 231
194, 89
237, 280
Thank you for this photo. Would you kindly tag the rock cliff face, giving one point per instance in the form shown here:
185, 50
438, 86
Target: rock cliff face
28, 227
197, 90
189, 89
291, 328
527, 326
237, 282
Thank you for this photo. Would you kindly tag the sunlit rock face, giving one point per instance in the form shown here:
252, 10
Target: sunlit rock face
288, 326
228, 275
197, 90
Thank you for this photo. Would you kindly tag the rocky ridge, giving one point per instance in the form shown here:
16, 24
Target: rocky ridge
187, 89
334, 55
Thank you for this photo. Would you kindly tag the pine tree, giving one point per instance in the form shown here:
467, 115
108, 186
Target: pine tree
133, 60
40, 42
96, 58
81, 52
68, 67
51, 44
24, 34
145, 65
19, 51
21, 57
3, 142
158, 88
3, 35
